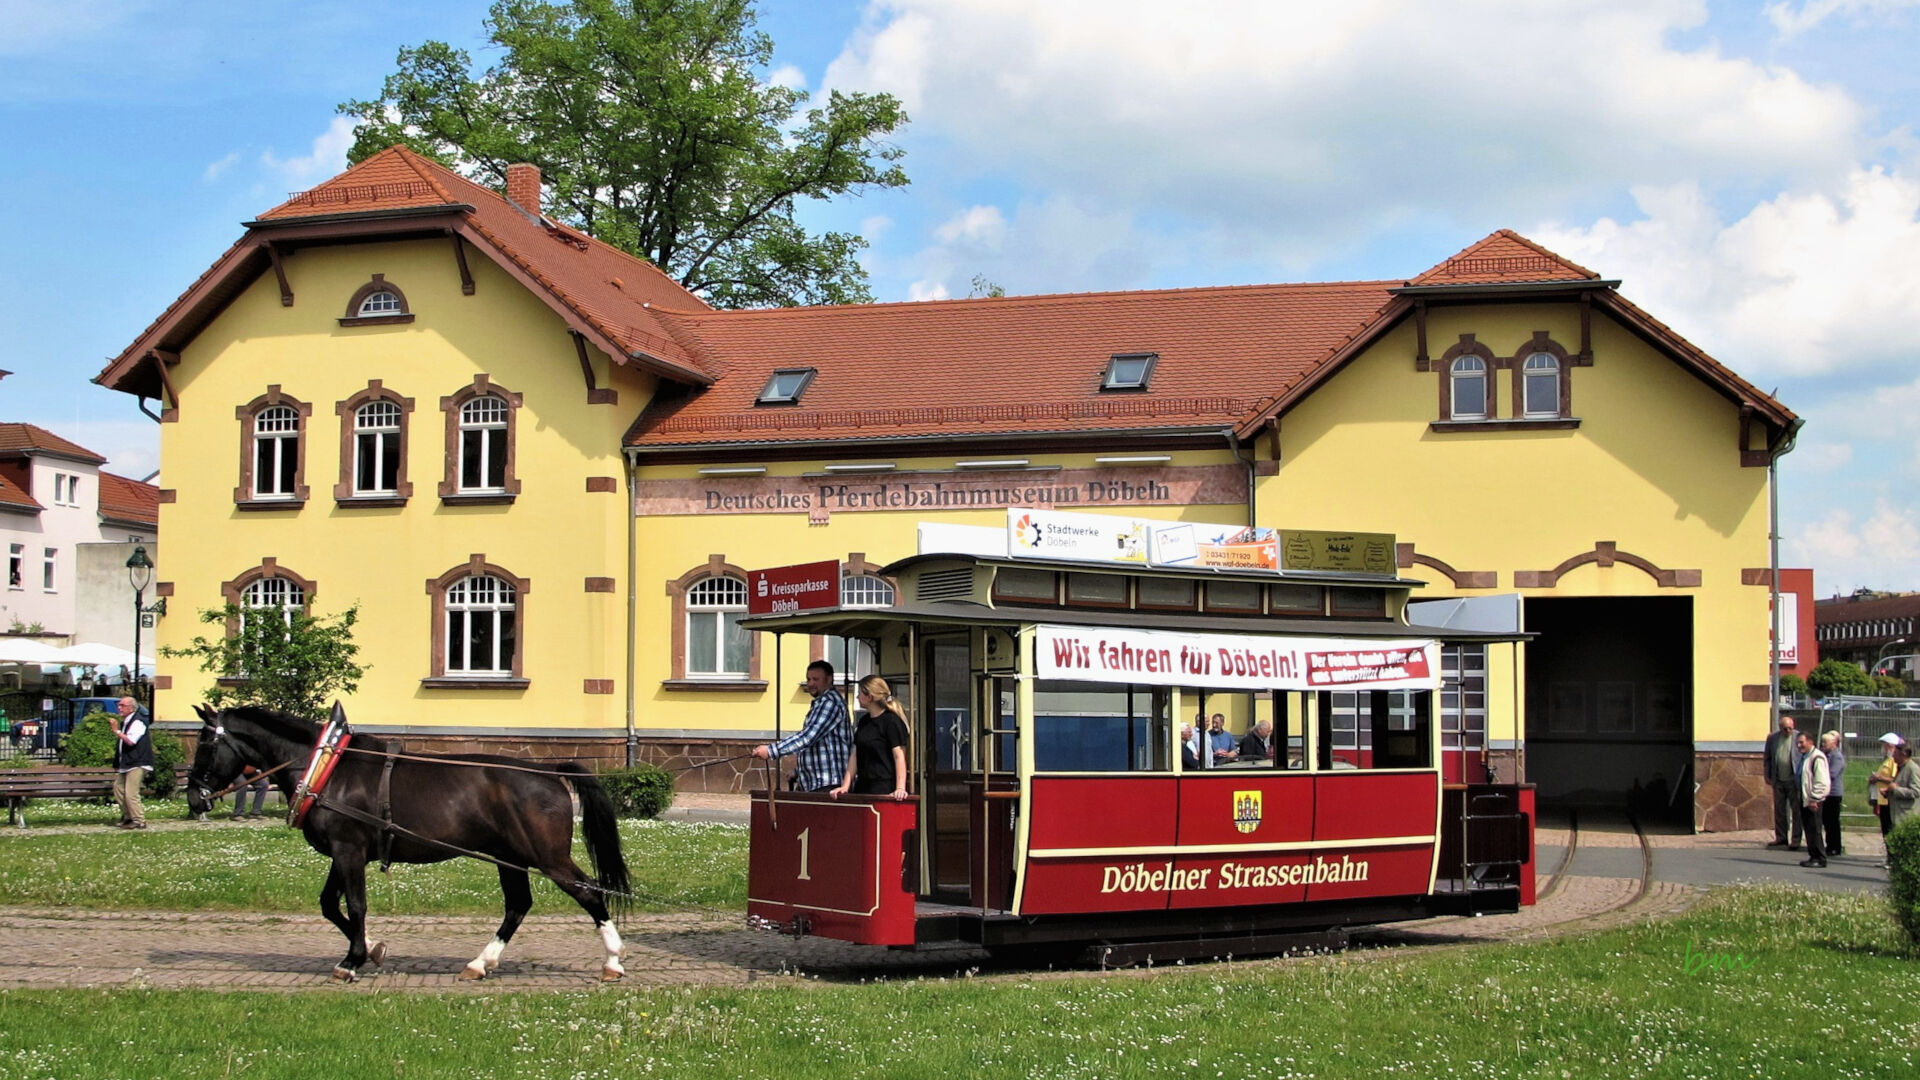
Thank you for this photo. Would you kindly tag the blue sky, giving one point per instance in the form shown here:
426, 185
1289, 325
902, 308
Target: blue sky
1750, 170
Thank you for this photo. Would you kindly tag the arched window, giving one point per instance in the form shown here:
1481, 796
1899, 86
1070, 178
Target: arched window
483, 629
384, 302
483, 445
273, 435
275, 594
481, 418
865, 591
376, 448
1540, 385
1469, 388
717, 646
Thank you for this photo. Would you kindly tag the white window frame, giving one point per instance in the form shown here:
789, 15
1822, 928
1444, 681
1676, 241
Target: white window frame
710, 601
485, 597
284, 439
381, 303
1547, 371
865, 591
496, 417
383, 434
1464, 369
50, 570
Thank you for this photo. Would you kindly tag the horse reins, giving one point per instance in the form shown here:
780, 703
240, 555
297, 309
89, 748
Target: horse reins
396, 755
243, 782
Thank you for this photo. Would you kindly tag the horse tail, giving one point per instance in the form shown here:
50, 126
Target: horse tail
600, 828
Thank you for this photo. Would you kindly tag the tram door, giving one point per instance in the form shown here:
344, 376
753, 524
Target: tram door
949, 751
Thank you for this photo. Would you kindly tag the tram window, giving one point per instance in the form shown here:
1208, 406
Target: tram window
1233, 596
1378, 729
1097, 727
1296, 599
1021, 584
1099, 590
1364, 603
1174, 594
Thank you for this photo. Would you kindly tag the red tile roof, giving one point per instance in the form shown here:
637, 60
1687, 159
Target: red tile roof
1501, 258
23, 439
1010, 365
13, 492
122, 499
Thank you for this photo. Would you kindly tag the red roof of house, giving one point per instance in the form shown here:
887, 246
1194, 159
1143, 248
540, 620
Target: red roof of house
13, 493
24, 439
122, 499
1503, 258
605, 291
1009, 365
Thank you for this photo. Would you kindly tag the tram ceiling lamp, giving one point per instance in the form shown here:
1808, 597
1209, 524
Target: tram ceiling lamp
1002, 463
875, 466
1134, 459
733, 470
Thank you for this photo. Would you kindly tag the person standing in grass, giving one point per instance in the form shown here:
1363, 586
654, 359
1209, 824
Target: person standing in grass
1830, 807
1780, 777
1814, 786
132, 760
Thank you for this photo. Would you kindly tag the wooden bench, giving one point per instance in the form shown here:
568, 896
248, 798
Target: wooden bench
58, 782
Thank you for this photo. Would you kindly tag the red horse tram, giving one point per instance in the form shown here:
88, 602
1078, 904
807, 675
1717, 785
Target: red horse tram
1059, 799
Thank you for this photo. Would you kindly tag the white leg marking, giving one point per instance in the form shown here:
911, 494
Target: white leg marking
610, 937
488, 959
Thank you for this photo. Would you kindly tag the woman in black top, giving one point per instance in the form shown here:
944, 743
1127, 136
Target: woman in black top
879, 762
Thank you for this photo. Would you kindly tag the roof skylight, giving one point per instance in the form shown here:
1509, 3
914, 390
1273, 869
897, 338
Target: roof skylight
785, 386
1129, 371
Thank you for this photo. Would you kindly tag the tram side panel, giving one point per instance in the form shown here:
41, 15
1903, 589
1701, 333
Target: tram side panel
1380, 830
1099, 844
835, 869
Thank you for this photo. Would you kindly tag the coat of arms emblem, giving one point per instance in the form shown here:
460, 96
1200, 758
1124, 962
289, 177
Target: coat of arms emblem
1246, 810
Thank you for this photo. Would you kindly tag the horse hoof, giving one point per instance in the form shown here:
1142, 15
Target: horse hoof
345, 974
468, 973
378, 954
611, 974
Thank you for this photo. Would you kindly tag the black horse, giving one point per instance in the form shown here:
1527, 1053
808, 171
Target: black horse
499, 808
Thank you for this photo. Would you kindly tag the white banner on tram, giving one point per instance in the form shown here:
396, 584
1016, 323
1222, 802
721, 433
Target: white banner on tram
1235, 661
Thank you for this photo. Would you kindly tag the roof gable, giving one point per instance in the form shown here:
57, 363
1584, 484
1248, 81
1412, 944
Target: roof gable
1502, 258
30, 439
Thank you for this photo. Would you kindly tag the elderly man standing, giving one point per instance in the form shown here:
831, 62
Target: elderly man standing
1779, 763
1815, 785
132, 760
1830, 807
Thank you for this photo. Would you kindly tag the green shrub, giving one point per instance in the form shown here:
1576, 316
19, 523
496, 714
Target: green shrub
1903, 875
1793, 686
1833, 676
642, 791
1889, 686
90, 746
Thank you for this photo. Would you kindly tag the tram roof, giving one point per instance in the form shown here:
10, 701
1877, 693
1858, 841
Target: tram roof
875, 622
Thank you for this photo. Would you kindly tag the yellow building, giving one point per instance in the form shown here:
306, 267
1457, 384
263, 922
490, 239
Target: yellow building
406, 391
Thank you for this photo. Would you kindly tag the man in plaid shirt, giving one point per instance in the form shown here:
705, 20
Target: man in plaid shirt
823, 745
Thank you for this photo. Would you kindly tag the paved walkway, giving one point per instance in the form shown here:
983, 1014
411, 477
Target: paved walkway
54, 947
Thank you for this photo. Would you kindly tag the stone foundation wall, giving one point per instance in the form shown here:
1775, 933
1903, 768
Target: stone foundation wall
1731, 792
1503, 766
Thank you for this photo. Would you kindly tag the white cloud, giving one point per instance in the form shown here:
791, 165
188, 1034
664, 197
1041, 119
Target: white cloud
1282, 129
329, 155
872, 228
131, 447
1882, 552
977, 226
1804, 284
788, 76
35, 26
1791, 21
928, 290
214, 170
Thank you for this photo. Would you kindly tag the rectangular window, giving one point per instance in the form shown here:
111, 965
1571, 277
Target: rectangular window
1097, 727
1377, 729
1296, 599
1359, 603
376, 462
16, 566
483, 459
1463, 697
1099, 590
1233, 596
1175, 594
49, 557
717, 644
1013, 584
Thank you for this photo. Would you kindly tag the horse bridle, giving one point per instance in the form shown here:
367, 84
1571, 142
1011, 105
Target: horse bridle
239, 782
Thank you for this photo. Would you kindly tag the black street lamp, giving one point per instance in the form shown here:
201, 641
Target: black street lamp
140, 574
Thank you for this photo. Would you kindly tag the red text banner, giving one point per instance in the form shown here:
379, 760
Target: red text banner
1234, 661
786, 589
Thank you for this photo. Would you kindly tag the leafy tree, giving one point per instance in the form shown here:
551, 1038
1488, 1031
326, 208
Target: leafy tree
296, 664
1793, 686
1889, 686
984, 286
659, 137
1833, 677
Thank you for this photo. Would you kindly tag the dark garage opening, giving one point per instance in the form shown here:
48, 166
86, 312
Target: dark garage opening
1609, 704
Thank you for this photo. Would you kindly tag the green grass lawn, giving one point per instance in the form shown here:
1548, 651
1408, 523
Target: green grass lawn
1813, 985
220, 866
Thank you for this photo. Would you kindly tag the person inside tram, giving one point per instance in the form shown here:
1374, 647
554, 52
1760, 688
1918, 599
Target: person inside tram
1226, 748
879, 762
1257, 747
1189, 747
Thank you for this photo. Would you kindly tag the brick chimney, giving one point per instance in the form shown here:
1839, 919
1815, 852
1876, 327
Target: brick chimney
523, 187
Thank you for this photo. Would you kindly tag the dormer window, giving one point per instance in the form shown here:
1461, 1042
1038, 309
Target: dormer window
785, 386
377, 302
1129, 371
